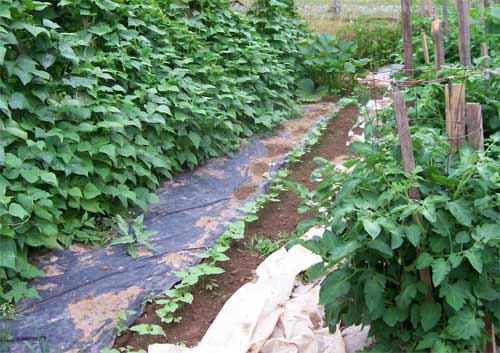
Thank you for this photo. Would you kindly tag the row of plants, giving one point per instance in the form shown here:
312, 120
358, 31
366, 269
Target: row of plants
103, 99
171, 301
383, 243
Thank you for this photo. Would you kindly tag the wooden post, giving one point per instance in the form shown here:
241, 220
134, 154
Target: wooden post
424, 47
406, 29
409, 165
484, 45
445, 17
474, 122
455, 114
336, 7
485, 53
422, 8
463, 15
429, 9
438, 41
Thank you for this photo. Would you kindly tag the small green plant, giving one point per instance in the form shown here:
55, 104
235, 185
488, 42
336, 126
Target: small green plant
7, 310
211, 284
148, 329
137, 236
122, 318
264, 247
4, 338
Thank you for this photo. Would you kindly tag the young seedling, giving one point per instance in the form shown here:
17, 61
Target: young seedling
138, 236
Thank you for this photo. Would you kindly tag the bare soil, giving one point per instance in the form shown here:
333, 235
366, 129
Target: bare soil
274, 219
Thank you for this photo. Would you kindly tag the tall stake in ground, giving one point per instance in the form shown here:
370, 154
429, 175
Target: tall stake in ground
406, 29
445, 17
455, 114
463, 15
484, 45
429, 9
409, 165
425, 48
438, 41
474, 121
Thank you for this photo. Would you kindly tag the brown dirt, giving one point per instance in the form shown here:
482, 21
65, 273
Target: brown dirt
274, 219
244, 191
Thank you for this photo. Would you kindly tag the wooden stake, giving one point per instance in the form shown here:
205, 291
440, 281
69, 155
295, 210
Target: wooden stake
455, 114
484, 52
484, 46
463, 15
409, 165
438, 41
422, 8
445, 17
474, 122
336, 7
429, 8
424, 47
406, 29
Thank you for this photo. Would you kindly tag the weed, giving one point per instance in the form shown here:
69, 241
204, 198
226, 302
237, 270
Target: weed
138, 236
264, 247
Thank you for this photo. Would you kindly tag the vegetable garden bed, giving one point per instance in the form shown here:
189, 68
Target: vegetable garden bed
275, 220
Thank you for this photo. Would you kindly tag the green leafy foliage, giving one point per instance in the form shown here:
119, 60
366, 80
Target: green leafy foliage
148, 329
377, 40
101, 100
380, 239
138, 236
329, 62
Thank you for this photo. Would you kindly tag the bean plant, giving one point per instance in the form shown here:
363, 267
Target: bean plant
100, 100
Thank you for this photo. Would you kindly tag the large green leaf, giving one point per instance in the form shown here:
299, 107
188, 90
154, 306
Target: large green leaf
8, 253
374, 292
430, 313
461, 210
464, 325
440, 269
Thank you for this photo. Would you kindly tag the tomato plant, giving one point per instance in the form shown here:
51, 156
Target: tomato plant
378, 238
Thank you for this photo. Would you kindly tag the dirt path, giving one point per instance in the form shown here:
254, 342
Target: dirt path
274, 219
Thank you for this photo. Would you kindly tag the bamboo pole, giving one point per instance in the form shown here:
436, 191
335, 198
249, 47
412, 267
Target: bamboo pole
422, 8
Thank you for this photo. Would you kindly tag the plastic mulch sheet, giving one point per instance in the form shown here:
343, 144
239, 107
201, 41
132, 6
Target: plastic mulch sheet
85, 288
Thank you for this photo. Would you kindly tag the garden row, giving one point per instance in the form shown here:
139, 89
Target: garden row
413, 228
101, 100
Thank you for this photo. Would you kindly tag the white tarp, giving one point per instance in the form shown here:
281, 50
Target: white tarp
274, 314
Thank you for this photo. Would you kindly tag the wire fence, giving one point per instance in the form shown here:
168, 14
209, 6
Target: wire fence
416, 119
